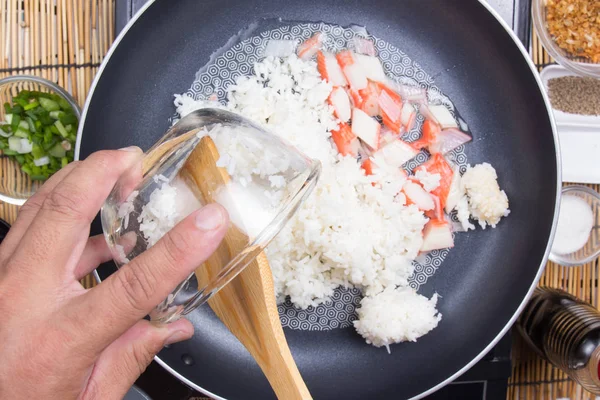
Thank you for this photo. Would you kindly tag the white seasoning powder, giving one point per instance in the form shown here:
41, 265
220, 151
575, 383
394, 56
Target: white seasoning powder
575, 223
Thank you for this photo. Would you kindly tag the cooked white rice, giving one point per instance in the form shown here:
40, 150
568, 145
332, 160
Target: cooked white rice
396, 315
348, 233
430, 181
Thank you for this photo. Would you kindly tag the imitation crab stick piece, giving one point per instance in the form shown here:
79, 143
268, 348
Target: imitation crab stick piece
372, 67
449, 139
370, 99
397, 153
441, 141
437, 235
367, 166
395, 127
341, 104
330, 70
418, 196
443, 116
363, 46
390, 104
310, 47
437, 164
437, 212
345, 141
429, 135
390, 107
366, 128
354, 73
356, 98
345, 58
408, 116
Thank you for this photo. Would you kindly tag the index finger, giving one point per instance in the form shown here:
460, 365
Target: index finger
134, 290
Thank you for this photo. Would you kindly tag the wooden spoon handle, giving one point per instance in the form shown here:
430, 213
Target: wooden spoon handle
247, 304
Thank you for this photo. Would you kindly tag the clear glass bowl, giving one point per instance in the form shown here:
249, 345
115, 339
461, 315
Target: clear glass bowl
591, 250
16, 186
578, 65
208, 156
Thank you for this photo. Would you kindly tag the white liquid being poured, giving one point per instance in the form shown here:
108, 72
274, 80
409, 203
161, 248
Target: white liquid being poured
575, 222
246, 207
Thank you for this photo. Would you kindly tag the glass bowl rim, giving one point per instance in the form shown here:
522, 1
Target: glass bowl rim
55, 88
558, 259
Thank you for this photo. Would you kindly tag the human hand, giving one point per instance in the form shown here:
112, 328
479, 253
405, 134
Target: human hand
61, 341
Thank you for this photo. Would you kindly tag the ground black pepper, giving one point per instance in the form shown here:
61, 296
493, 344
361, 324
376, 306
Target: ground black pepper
575, 95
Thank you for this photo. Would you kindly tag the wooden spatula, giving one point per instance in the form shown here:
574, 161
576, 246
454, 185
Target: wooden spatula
246, 305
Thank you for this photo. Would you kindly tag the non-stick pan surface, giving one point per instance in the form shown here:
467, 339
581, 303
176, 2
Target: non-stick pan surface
486, 277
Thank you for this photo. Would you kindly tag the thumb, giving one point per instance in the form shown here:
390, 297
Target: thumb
123, 361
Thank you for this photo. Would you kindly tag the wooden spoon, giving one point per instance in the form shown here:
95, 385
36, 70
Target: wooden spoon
247, 304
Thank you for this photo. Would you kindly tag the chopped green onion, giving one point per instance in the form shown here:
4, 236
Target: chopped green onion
61, 129
57, 114
39, 132
31, 115
42, 162
14, 121
30, 124
37, 152
68, 119
22, 133
49, 105
64, 104
57, 151
31, 106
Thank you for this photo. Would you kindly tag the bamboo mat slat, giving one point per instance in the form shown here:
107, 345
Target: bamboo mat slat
533, 378
65, 40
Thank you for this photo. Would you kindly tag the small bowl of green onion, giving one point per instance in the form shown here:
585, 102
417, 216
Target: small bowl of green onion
38, 131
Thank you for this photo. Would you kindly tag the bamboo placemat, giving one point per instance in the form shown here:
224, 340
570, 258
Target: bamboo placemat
65, 40
532, 377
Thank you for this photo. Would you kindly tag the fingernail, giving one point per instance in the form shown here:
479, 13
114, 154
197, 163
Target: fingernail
177, 336
132, 149
210, 217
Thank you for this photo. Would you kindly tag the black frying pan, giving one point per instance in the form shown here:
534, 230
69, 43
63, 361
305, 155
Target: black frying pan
486, 278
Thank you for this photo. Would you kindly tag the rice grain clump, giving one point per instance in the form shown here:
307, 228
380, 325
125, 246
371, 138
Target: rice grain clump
167, 206
487, 203
348, 232
430, 181
389, 317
